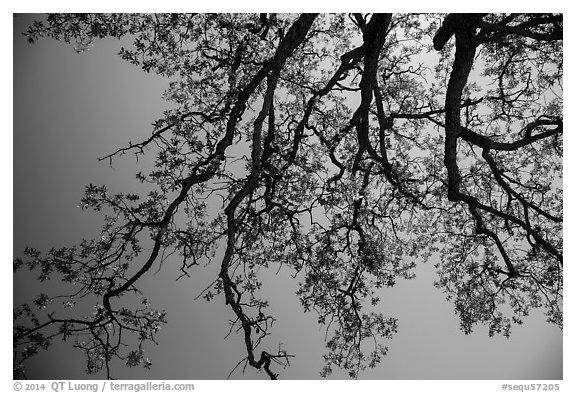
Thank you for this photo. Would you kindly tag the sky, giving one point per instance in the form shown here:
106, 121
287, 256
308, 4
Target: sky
70, 109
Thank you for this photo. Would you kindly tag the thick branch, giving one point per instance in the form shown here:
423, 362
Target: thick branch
485, 142
501, 31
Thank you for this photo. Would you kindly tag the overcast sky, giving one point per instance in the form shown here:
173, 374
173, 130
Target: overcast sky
70, 109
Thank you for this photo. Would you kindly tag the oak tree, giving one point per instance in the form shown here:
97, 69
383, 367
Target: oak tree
331, 145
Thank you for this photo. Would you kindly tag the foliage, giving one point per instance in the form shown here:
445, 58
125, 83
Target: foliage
343, 147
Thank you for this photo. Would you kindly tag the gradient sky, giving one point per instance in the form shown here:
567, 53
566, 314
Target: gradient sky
70, 109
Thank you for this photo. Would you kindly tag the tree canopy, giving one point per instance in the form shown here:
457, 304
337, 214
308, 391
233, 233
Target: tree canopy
346, 148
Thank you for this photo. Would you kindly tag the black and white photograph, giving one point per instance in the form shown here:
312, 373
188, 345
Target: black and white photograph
288, 196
